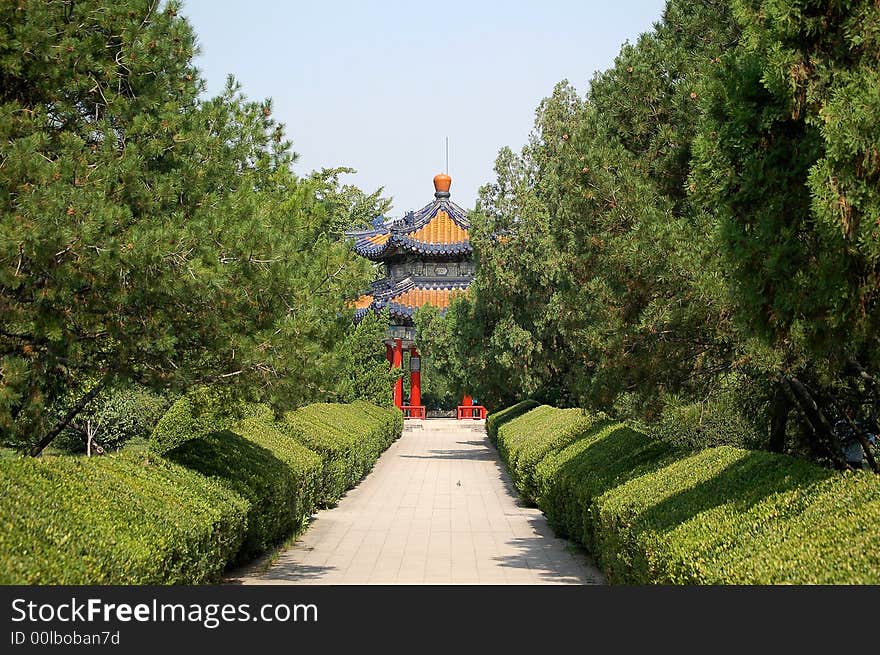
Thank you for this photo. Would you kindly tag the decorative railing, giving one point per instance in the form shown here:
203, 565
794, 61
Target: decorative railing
413, 411
475, 412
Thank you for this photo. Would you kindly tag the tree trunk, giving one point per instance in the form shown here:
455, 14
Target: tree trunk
76, 409
815, 417
779, 420
863, 440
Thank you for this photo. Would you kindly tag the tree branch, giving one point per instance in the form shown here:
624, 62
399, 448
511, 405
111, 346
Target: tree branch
800, 397
76, 409
863, 440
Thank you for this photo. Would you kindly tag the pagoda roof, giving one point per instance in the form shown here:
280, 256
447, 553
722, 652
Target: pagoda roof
406, 296
439, 229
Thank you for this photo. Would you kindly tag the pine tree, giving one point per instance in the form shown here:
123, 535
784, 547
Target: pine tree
365, 372
147, 235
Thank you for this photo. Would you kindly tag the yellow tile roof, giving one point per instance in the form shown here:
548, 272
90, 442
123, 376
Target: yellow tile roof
440, 298
363, 301
441, 229
379, 239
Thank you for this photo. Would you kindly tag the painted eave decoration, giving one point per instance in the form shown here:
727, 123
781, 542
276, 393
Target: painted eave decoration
404, 298
438, 229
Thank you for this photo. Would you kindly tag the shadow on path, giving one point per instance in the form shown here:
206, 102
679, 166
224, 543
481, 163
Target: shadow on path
465, 454
294, 572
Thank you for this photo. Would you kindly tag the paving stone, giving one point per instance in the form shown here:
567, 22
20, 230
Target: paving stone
438, 508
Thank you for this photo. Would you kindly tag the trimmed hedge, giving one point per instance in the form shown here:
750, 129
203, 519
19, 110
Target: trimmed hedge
724, 515
276, 474
285, 470
497, 419
537, 434
200, 412
217, 497
114, 520
175, 427
349, 439
603, 456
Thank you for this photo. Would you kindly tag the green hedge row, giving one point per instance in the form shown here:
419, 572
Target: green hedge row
215, 498
116, 519
286, 469
724, 515
200, 412
278, 477
497, 419
349, 439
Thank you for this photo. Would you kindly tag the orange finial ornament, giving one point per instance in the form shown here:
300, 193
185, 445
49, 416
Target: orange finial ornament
442, 182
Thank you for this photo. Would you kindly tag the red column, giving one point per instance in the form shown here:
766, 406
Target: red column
389, 353
467, 401
415, 379
398, 363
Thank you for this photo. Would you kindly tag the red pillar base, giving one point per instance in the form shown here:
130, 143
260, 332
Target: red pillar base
467, 409
415, 378
398, 363
415, 409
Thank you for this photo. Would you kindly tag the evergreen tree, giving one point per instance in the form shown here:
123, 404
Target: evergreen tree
146, 235
366, 374
787, 159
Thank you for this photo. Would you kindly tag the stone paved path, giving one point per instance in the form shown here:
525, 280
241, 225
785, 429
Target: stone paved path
438, 508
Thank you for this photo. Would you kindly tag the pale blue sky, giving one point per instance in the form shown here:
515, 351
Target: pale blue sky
379, 85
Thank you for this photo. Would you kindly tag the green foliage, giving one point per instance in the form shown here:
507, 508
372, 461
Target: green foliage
444, 382
540, 433
349, 439
594, 275
500, 341
259, 411
275, 473
114, 520
786, 155
354, 207
723, 419
723, 515
496, 419
582, 458
114, 419
225, 497
365, 374
707, 211
730, 516
150, 235
201, 411
192, 416
444, 376
176, 426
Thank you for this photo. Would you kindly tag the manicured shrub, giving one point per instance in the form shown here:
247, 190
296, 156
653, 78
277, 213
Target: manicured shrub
732, 516
387, 420
256, 410
536, 435
717, 421
497, 419
176, 426
275, 473
219, 496
562, 459
603, 456
305, 464
199, 412
654, 514
349, 439
116, 519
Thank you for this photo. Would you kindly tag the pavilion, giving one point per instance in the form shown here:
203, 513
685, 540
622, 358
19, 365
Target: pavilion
427, 258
